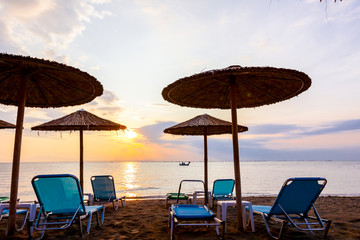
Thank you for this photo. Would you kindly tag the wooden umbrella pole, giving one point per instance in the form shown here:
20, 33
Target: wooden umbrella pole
239, 216
206, 167
16, 157
81, 160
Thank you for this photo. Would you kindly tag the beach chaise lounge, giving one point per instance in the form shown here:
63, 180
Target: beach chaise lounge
104, 191
223, 190
4, 199
192, 215
292, 206
61, 203
4, 213
174, 197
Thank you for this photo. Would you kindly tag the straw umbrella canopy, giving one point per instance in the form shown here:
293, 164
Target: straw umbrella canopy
237, 87
80, 121
33, 82
204, 125
4, 124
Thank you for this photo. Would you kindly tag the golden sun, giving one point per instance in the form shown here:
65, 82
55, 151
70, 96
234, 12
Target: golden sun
130, 134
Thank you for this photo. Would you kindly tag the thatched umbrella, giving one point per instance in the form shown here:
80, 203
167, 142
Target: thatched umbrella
237, 87
4, 124
32, 82
203, 125
79, 121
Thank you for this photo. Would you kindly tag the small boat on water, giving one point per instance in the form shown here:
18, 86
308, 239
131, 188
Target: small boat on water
184, 164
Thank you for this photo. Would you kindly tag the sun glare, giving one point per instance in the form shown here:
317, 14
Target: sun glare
130, 178
130, 134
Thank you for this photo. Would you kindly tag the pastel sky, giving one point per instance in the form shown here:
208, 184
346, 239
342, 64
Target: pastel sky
136, 48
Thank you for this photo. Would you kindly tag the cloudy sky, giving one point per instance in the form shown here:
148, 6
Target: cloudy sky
136, 48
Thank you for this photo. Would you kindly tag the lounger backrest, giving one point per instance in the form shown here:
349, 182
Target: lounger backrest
223, 187
297, 195
59, 193
103, 187
193, 181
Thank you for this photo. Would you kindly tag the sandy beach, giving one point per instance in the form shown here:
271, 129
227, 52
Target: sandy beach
148, 219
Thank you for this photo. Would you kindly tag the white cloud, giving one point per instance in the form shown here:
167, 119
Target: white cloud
324, 142
26, 9
46, 27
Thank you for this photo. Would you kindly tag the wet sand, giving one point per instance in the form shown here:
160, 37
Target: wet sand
148, 219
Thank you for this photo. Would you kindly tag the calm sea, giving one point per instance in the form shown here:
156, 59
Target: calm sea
155, 179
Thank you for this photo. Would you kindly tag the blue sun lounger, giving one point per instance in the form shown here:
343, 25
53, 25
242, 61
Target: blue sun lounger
104, 191
61, 203
192, 215
223, 190
4, 213
292, 205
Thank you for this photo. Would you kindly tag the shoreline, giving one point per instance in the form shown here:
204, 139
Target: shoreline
159, 197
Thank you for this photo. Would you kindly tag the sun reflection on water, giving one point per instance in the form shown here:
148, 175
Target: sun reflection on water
130, 178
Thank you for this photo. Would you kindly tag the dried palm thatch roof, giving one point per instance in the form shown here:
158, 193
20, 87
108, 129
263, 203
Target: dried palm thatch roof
255, 86
203, 124
32, 82
79, 120
4, 124
49, 84
237, 87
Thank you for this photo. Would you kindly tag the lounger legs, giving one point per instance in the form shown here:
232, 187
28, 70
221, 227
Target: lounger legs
97, 218
328, 223
89, 223
103, 214
268, 228
222, 223
80, 227
31, 225
171, 224
23, 223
